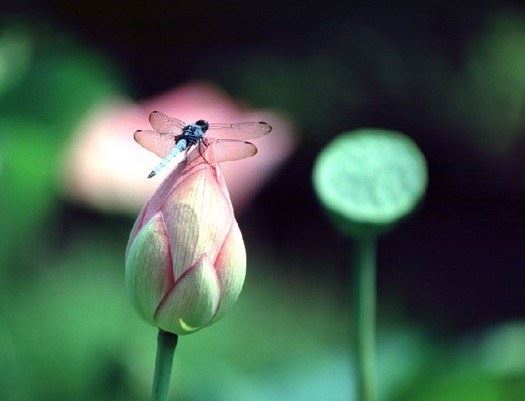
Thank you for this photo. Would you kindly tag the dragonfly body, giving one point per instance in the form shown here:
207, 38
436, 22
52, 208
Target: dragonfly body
191, 135
216, 142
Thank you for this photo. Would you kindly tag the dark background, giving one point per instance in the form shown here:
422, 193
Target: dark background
462, 258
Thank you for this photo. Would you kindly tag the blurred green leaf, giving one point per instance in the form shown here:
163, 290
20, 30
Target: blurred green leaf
61, 86
489, 97
73, 327
16, 51
37, 115
503, 350
462, 388
26, 180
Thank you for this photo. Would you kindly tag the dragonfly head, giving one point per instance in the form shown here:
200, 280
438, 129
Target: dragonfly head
203, 124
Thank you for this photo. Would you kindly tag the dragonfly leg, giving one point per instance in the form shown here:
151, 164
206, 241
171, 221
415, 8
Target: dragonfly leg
200, 150
204, 151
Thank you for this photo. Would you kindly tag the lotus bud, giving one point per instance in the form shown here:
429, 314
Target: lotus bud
185, 260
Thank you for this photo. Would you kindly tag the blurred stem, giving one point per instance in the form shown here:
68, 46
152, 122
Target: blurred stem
166, 343
365, 265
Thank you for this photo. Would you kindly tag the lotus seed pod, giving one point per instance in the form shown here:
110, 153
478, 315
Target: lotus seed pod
370, 179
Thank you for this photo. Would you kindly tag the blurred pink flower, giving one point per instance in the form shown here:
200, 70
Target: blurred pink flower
104, 167
186, 261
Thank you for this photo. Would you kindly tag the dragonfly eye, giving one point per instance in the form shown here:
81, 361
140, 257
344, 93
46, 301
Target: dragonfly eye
203, 124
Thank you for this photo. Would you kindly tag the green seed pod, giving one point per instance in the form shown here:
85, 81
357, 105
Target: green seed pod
370, 179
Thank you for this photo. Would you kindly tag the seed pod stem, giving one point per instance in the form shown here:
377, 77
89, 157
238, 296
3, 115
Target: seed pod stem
365, 281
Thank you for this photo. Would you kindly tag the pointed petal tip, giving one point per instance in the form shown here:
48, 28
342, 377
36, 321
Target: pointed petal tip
186, 327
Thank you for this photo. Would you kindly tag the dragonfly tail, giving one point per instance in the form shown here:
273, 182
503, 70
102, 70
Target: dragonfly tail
179, 148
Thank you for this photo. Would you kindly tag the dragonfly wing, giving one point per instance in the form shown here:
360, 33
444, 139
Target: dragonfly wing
164, 124
160, 144
228, 150
239, 131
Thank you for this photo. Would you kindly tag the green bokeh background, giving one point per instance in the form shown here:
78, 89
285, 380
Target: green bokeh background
451, 306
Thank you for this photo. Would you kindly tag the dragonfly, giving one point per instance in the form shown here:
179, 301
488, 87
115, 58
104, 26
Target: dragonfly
217, 142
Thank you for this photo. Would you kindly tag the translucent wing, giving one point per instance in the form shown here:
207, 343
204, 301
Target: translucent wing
239, 131
219, 150
164, 124
160, 144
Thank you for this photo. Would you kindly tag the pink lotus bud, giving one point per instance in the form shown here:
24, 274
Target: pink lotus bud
185, 260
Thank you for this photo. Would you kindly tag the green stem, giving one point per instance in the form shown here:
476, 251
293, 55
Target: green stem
365, 264
166, 343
